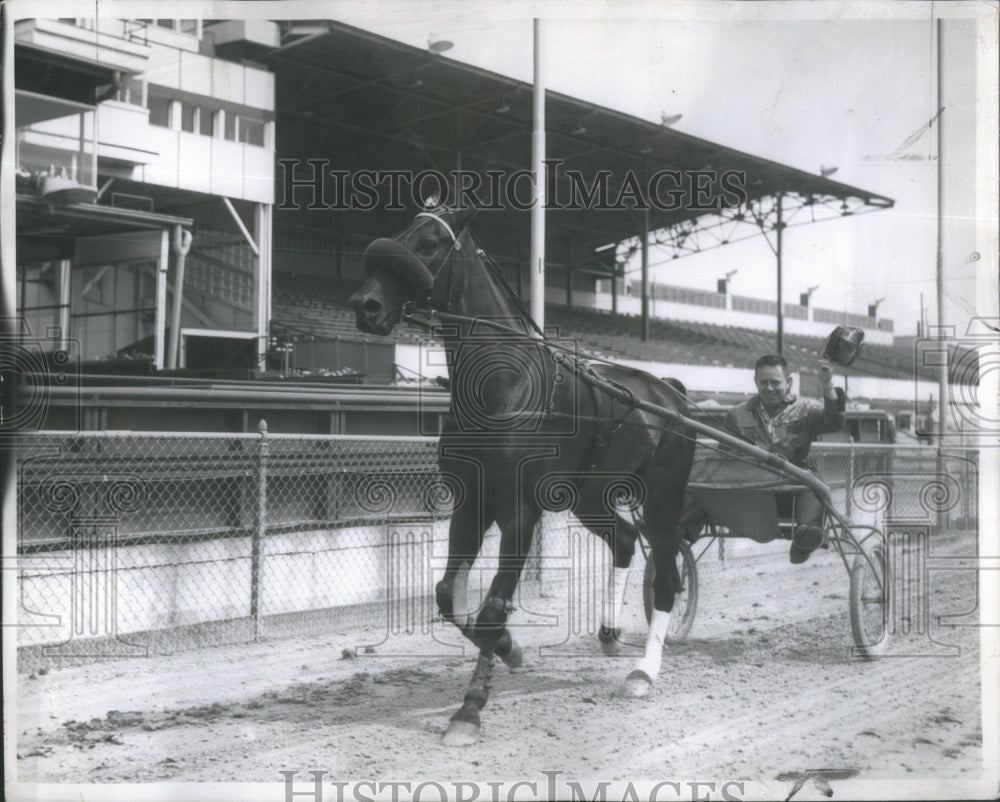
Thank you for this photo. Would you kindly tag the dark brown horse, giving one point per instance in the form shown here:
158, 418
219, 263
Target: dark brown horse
530, 428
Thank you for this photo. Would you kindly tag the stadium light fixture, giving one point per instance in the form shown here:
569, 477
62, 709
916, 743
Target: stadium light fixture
722, 286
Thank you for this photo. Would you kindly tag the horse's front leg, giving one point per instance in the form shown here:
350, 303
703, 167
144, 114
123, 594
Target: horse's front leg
470, 519
490, 632
465, 537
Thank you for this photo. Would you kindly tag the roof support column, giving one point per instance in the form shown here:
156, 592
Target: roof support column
778, 226
943, 400
64, 299
181, 244
537, 263
262, 224
645, 274
160, 324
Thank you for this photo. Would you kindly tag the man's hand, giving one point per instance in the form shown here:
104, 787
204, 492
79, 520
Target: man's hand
825, 371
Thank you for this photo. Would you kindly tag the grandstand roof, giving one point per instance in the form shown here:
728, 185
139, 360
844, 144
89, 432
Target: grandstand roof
368, 102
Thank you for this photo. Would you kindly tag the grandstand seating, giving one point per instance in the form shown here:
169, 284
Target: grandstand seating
317, 308
714, 344
310, 307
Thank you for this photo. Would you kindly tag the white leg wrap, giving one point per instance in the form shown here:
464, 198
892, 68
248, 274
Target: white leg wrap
613, 598
460, 590
650, 662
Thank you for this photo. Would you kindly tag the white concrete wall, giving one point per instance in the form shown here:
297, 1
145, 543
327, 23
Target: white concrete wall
671, 310
429, 361
166, 585
77, 41
212, 77
207, 164
121, 133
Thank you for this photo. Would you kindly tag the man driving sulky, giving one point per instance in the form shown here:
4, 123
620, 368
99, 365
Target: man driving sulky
783, 424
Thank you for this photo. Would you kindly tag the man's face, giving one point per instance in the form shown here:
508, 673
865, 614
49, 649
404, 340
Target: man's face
772, 385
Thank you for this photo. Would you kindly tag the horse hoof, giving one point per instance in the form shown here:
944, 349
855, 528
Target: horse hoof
611, 644
514, 658
636, 685
460, 733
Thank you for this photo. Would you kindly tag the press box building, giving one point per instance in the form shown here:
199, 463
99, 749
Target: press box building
175, 143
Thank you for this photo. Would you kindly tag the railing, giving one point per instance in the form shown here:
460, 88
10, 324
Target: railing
844, 319
758, 306
135, 542
685, 295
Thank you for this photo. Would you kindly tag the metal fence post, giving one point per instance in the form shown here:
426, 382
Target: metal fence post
849, 490
259, 527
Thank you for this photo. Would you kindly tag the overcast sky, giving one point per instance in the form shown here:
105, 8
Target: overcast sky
832, 84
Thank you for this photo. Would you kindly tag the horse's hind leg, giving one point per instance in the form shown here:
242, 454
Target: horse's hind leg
668, 479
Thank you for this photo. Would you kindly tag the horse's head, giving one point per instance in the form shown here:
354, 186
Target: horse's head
403, 268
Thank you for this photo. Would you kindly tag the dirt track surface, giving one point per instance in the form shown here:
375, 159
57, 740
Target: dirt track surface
763, 688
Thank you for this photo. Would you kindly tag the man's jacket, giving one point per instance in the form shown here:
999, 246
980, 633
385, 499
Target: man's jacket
791, 430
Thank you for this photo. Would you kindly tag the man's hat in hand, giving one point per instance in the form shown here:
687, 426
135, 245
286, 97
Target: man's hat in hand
843, 345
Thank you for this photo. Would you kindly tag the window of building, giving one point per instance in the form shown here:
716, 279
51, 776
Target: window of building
189, 26
230, 127
251, 131
159, 109
166, 23
130, 91
205, 122
189, 117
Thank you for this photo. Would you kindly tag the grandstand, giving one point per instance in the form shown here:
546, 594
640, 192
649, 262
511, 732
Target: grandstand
111, 183
323, 312
686, 342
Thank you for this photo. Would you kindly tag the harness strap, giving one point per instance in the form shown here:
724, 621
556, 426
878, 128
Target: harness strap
447, 227
604, 407
501, 604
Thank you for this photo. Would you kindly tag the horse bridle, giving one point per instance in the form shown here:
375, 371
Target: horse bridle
454, 240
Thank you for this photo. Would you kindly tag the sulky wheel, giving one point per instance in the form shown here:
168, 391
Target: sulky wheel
686, 600
871, 600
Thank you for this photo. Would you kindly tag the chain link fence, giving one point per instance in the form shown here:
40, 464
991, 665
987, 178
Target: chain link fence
138, 543
884, 486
